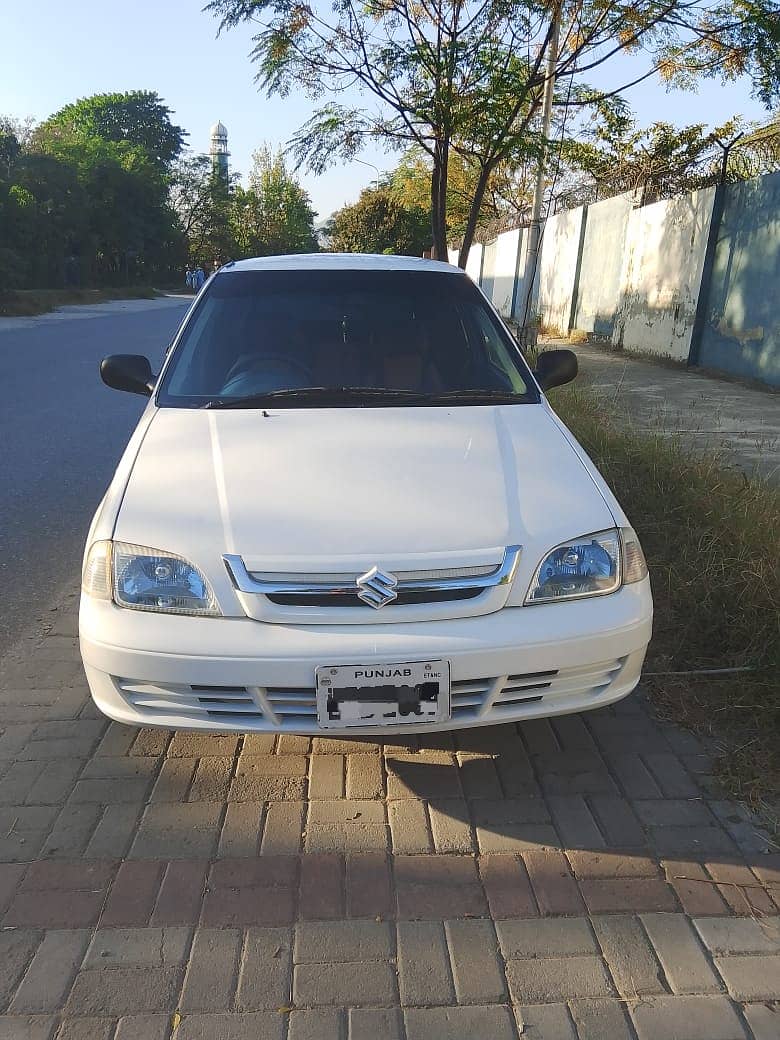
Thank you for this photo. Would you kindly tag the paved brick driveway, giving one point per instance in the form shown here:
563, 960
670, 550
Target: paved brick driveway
574, 879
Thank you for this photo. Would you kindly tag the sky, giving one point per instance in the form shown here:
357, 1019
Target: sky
54, 53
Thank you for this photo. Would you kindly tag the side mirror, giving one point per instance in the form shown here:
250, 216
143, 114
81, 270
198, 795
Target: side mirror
131, 372
555, 367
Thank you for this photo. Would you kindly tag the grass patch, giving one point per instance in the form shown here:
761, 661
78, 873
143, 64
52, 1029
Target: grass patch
712, 540
21, 303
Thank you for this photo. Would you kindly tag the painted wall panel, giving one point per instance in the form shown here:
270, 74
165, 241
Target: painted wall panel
662, 266
488, 268
519, 305
599, 284
505, 271
559, 266
742, 326
474, 262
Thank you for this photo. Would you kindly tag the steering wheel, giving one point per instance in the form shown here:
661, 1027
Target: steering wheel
276, 366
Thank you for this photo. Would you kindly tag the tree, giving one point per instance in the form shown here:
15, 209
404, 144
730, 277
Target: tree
204, 203
662, 160
379, 223
130, 223
10, 261
137, 118
274, 215
191, 191
45, 216
506, 201
467, 77
84, 196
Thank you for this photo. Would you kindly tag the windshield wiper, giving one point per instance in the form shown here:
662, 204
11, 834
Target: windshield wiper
308, 393
477, 396
338, 394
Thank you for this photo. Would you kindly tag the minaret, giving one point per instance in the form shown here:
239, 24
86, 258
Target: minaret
219, 150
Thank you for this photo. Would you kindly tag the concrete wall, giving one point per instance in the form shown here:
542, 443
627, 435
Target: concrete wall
518, 309
599, 284
559, 268
505, 271
742, 326
488, 268
474, 263
635, 275
661, 276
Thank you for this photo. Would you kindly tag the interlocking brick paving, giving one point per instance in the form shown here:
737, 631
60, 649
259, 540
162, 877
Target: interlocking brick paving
580, 877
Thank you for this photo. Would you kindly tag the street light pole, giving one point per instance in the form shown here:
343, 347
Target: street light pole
375, 168
528, 327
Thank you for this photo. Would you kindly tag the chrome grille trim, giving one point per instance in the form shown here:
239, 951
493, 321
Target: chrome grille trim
345, 585
330, 578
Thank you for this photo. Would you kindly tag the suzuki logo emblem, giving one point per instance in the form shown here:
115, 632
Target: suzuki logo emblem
376, 588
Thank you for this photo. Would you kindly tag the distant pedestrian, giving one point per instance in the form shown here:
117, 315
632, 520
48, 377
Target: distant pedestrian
188, 277
215, 267
198, 278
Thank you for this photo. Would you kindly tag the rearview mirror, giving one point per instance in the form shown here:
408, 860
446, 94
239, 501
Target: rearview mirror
131, 372
555, 367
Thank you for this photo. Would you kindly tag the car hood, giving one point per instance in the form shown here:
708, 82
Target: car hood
381, 485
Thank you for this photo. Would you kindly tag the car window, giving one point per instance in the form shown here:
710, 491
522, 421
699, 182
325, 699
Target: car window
496, 350
261, 332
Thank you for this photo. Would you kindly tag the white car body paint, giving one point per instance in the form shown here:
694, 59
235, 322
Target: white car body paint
318, 491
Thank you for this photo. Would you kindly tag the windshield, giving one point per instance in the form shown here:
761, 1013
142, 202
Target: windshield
370, 337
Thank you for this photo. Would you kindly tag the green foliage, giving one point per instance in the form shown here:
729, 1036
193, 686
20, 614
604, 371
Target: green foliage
84, 197
507, 194
379, 223
203, 202
221, 220
137, 118
663, 160
274, 215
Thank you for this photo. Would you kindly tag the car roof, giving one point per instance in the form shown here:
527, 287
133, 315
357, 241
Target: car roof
339, 262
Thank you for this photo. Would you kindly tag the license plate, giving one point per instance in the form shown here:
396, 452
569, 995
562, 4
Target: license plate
383, 694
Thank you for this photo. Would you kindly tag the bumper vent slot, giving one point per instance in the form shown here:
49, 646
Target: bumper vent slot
219, 702
468, 696
293, 705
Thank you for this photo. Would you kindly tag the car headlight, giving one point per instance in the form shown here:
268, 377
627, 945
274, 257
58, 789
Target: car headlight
141, 578
587, 566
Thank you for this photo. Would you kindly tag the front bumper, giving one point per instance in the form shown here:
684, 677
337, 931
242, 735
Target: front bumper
236, 674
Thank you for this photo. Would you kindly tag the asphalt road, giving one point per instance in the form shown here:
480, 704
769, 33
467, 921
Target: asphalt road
61, 434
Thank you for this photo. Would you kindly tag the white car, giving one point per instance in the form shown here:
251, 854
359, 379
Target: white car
348, 507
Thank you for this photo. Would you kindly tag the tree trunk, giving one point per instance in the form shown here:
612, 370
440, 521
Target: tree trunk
471, 223
439, 201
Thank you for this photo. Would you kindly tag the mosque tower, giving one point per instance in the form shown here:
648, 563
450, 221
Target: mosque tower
219, 150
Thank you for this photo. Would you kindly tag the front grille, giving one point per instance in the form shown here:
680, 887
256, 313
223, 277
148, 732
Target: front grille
309, 599
478, 584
